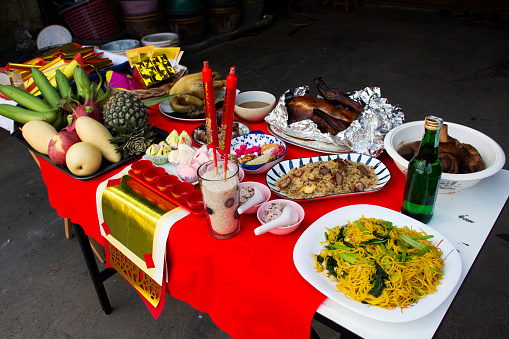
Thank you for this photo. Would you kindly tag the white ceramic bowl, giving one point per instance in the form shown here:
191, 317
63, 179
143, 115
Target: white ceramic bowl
490, 151
254, 114
161, 40
265, 190
257, 139
282, 230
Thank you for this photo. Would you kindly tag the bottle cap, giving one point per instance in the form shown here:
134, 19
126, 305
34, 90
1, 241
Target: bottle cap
433, 123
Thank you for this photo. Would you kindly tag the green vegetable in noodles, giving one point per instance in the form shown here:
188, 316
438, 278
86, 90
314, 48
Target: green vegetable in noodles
403, 250
412, 242
422, 237
378, 281
331, 266
361, 226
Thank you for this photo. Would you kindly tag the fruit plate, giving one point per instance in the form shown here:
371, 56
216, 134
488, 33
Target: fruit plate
106, 166
277, 171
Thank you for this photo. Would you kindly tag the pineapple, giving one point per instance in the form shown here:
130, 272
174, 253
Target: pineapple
133, 140
126, 117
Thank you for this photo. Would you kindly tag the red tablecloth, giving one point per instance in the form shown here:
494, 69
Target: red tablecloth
248, 284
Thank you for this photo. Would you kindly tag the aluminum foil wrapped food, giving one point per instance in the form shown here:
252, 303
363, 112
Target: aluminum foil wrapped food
365, 134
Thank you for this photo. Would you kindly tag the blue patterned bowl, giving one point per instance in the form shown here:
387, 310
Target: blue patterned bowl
257, 138
382, 173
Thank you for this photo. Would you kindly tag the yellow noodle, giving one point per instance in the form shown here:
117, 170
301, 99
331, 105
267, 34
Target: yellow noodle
407, 281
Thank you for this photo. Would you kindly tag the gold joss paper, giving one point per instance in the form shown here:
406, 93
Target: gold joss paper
154, 71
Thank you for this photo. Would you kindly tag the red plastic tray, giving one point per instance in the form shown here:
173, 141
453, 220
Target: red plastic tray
164, 196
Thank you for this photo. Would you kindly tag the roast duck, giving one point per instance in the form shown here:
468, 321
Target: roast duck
332, 114
455, 157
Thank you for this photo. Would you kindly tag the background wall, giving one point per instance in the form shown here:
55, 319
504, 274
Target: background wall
18, 14
34, 15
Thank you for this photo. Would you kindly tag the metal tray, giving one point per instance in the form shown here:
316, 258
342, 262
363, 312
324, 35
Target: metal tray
105, 165
313, 145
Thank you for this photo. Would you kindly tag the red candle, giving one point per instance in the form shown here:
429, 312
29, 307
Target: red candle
210, 109
227, 120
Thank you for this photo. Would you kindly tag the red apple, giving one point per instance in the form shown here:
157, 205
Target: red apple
59, 144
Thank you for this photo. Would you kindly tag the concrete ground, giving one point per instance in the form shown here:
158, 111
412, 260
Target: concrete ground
426, 63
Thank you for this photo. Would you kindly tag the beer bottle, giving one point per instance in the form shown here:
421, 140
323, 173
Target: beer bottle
423, 175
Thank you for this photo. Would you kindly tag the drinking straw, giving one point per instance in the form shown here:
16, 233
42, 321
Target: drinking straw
227, 120
210, 110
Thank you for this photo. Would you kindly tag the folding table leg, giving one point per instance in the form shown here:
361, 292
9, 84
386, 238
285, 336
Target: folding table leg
98, 277
344, 333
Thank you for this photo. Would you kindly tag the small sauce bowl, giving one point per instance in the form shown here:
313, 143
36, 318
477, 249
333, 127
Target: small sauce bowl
195, 201
282, 230
180, 190
141, 165
165, 182
152, 174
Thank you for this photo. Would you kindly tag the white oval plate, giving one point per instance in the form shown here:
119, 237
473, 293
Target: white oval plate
309, 243
166, 110
277, 171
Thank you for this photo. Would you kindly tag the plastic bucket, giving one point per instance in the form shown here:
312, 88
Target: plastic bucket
137, 7
139, 25
252, 10
181, 6
223, 19
190, 28
220, 3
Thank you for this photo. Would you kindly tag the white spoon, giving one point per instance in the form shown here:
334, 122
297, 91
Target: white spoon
288, 217
254, 200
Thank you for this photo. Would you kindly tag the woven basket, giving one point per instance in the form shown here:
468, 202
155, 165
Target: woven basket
91, 20
151, 92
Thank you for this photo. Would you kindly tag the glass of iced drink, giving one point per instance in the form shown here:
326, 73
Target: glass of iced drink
220, 198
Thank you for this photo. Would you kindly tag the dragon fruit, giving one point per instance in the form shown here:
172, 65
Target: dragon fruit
91, 96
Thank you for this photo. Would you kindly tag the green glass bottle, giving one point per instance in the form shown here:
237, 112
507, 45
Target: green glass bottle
424, 173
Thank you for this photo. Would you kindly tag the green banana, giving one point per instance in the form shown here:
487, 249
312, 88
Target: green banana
58, 121
64, 87
23, 115
45, 87
24, 98
82, 82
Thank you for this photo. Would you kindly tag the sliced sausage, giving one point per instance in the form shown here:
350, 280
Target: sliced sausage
359, 187
285, 182
338, 178
363, 170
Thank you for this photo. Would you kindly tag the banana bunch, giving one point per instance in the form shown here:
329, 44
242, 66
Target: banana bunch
34, 108
188, 92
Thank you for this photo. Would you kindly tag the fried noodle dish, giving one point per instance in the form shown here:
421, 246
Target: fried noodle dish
321, 178
379, 264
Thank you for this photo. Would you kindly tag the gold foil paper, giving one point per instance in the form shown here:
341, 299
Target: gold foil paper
142, 282
131, 217
153, 71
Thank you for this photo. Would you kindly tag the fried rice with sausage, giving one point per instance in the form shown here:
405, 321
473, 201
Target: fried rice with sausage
324, 178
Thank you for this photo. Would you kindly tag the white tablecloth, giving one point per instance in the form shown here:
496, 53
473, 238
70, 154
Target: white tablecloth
465, 219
